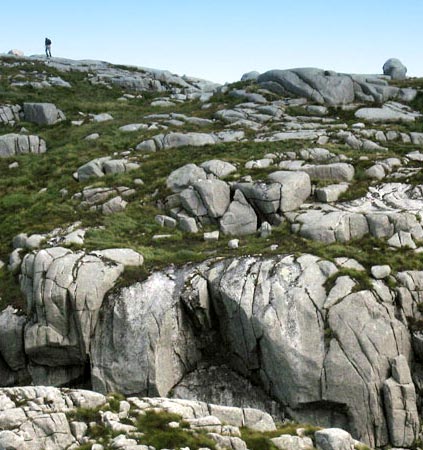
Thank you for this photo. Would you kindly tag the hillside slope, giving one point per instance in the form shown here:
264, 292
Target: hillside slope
163, 235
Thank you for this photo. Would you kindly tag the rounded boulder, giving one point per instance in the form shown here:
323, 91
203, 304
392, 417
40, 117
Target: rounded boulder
395, 69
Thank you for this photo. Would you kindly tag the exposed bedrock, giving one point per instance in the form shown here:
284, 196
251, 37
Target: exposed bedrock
64, 291
331, 88
325, 351
324, 357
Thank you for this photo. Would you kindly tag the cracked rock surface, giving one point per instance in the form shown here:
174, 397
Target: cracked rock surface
270, 315
17, 144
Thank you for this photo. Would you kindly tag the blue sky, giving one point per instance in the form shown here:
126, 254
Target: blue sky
220, 40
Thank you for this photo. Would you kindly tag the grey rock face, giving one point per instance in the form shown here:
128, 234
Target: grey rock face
329, 88
295, 188
250, 76
114, 205
41, 421
333, 172
264, 197
64, 292
42, 113
400, 404
287, 441
218, 168
395, 69
148, 337
240, 218
17, 144
314, 84
222, 386
103, 117
185, 176
215, 196
331, 193
144, 343
333, 439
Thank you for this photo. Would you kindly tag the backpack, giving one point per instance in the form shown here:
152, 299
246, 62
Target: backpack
48, 42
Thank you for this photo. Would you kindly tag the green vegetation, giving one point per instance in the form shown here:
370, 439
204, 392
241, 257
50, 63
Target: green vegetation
152, 428
157, 433
362, 279
257, 440
361, 447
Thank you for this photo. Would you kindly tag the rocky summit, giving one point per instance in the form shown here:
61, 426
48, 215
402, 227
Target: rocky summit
188, 265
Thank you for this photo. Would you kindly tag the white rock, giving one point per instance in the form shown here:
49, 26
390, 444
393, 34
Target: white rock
233, 243
211, 236
333, 439
380, 272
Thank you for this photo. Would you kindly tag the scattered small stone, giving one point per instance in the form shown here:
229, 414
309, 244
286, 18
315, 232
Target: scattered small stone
158, 237
233, 243
165, 221
14, 165
211, 236
138, 182
42, 191
188, 224
265, 230
274, 247
103, 117
92, 137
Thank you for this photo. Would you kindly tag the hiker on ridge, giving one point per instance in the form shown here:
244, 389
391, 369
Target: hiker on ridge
48, 47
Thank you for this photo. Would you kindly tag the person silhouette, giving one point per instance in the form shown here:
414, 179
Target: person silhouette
48, 47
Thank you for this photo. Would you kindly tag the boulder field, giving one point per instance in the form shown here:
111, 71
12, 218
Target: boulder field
287, 288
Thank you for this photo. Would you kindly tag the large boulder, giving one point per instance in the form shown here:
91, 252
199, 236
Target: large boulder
215, 195
64, 292
333, 439
316, 84
390, 112
264, 197
395, 69
185, 176
331, 225
400, 403
144, 342
240, 218
295, 188
331, 88
18, 144
42, 113
218, 168
332, 172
